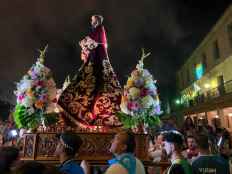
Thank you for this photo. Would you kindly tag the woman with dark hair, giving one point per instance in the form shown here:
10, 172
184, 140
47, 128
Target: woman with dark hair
188, 127
94, 96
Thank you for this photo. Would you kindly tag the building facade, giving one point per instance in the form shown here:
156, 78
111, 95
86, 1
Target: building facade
205, 80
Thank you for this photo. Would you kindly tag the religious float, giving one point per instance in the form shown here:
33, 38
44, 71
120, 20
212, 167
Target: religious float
37, 114
93, 105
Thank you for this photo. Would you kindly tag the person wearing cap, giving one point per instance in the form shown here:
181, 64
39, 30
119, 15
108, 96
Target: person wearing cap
173, 141
67, 148
122, 147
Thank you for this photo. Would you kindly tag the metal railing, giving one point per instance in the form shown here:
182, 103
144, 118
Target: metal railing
211, 94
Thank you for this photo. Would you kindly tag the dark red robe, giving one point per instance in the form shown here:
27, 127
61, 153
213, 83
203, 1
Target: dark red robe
95, 96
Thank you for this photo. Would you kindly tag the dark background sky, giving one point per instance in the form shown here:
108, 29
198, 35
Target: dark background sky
170, 29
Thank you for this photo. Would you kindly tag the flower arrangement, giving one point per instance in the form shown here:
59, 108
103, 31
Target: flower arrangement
35, 94
140, 102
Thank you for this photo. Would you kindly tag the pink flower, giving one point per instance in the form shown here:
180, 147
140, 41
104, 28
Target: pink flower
133, 106
143, 92
20, 97
40, 83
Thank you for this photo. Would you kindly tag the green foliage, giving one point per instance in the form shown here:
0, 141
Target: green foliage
23, 119
51, 118
146, 118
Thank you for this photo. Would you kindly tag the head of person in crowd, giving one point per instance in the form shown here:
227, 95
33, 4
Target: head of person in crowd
8, 157
203, 145
219, 132
68, 145
173, 143
224, 144
188, 123
202, 127
123, 142
159, 139
191, 152
191, 142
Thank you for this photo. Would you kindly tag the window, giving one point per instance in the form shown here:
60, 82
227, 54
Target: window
229, 30
216, 54
204, 60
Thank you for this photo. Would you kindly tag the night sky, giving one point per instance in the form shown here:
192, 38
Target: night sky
170, 29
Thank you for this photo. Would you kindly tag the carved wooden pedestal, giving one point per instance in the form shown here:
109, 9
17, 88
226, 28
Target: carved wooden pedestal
95, 148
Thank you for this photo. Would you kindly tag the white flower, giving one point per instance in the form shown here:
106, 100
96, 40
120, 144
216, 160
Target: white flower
38, 67
31, 110
156, 102
147, 101
146, 73
23, 85
134, 92
27, 102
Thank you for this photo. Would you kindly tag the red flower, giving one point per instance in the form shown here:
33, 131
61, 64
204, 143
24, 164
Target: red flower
133, 106
143, 92
40, 83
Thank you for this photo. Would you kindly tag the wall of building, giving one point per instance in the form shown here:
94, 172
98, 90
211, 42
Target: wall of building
220, 34
190, 86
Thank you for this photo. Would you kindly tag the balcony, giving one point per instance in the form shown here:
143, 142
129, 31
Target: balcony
218, 97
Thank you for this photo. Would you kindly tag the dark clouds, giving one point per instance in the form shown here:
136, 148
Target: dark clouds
169, 29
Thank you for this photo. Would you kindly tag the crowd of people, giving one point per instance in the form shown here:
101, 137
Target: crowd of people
192, 149
122, 147
8, 133
197, 149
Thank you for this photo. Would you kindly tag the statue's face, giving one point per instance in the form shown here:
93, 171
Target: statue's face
94, 21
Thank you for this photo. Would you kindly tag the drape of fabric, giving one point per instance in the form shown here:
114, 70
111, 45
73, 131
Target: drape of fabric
94, 97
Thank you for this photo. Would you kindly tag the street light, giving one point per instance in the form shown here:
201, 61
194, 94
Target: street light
177, 101
207, 86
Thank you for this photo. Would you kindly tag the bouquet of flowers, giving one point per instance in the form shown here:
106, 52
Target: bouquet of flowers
140, 102
87, 44
35, 94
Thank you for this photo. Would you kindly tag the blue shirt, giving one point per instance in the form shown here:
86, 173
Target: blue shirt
71, 167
